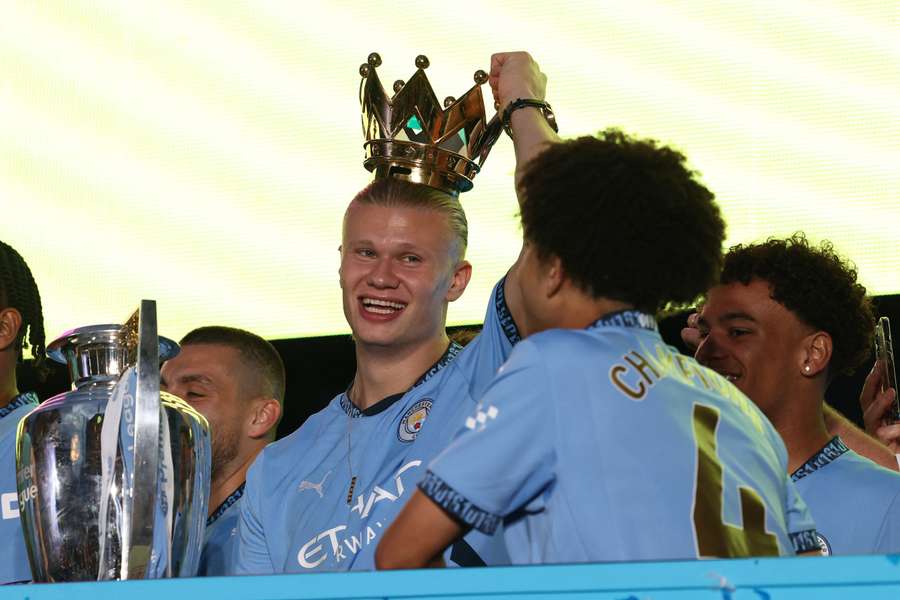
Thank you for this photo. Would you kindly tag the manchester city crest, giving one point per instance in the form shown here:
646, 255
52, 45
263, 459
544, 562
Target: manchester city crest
413, 420
823, 544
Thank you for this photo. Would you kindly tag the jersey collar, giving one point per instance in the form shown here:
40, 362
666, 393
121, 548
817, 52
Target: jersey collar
826, 455
228, 503
385, 403
23, 399
626, 318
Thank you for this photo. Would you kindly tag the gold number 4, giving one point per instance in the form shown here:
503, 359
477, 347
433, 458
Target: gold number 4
715, 537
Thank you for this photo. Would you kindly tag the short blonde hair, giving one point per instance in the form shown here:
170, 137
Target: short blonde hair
397, 192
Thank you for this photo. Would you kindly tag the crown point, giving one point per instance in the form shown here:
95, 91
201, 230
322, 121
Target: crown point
422, 61
448, 101
398, 85
480, 76
374, 59
364, 70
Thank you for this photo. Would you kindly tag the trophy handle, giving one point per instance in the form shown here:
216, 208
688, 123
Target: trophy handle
146, 445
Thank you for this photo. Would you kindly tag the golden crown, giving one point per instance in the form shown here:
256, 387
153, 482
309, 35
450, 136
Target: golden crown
411, 136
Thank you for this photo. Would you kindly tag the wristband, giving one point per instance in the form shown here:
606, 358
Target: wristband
515, 105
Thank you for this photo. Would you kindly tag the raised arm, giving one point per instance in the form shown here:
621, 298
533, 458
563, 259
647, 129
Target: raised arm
515, 76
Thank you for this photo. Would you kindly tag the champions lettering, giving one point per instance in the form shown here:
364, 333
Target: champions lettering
315, 552
641, 370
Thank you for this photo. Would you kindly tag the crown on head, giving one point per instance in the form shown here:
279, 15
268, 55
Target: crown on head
412, 136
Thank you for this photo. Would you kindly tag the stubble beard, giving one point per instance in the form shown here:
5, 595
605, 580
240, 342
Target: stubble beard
224, 450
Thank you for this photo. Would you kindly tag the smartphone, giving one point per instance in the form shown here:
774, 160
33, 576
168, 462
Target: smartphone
884, 351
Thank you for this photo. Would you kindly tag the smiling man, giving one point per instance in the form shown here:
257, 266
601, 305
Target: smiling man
236, 380
787, 318
321, 498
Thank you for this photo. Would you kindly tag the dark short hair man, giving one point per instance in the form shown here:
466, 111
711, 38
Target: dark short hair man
236, 380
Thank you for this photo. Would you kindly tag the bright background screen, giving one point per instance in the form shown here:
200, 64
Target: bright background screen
202, 153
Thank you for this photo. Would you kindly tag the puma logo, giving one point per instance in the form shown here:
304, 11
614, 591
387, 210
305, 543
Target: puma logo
309, 485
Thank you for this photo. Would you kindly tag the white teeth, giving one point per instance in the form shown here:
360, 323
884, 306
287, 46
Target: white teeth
382, 306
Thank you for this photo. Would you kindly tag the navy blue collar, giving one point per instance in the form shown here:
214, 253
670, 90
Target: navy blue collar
626, 318
382, 405
826, 455
23, 399
228, 503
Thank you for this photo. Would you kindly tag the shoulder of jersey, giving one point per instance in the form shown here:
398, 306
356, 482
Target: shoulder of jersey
869, 474
284, 453
570, 342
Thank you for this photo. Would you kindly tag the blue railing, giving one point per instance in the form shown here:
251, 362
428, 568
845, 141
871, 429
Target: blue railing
764, 579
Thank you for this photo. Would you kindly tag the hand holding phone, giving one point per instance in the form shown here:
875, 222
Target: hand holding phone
884, 351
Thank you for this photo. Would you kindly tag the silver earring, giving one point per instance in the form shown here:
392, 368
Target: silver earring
806, 369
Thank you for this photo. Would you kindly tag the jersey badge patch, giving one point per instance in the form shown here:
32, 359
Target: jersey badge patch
413, 420
823, 544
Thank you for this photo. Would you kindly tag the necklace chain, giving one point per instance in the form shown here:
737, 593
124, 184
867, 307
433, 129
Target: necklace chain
349, 447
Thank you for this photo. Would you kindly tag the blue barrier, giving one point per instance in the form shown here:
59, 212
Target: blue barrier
757, 579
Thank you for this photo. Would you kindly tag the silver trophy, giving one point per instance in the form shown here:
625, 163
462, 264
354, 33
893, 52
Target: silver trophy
114, 475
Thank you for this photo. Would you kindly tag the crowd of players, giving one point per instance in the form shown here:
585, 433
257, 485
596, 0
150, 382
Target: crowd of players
567, 430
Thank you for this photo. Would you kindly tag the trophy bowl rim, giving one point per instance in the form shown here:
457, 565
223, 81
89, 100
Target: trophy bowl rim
56, 349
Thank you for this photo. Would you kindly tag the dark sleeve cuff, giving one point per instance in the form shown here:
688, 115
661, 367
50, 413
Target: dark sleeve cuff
805, 541
504, 316
454, 504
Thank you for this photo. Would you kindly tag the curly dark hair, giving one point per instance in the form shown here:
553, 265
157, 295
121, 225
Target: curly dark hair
627, 218
18, 290
815, 284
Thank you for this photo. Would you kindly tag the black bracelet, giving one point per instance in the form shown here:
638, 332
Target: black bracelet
515, 105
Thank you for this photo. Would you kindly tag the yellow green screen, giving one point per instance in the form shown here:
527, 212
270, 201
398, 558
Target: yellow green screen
202, 153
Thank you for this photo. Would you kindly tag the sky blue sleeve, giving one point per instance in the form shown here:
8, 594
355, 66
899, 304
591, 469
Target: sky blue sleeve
251, 553
800, 526
490, 349
889, 536
498, 321
504, 455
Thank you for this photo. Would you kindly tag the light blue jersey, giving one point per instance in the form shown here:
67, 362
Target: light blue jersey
604, 444
220, 538
298, 513
14, 565
856, 503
